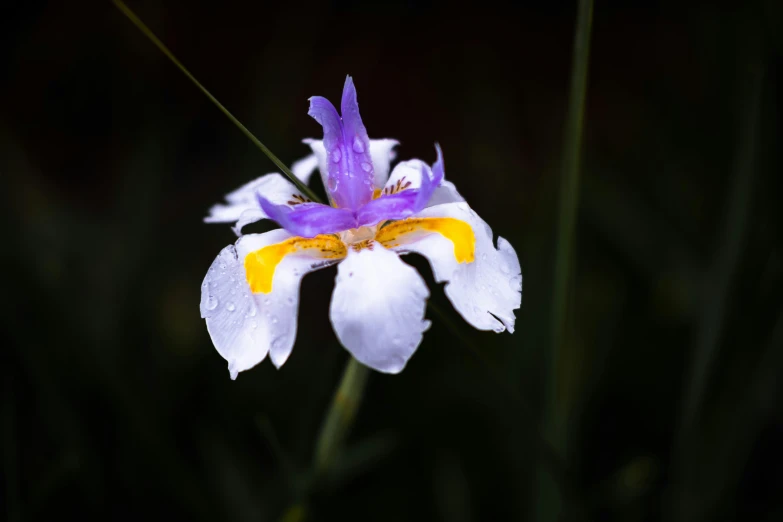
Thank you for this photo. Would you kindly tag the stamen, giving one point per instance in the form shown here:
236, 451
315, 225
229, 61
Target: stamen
260, 265
405, 231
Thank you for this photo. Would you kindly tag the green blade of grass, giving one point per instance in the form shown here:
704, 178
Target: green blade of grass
154, 39
549, 506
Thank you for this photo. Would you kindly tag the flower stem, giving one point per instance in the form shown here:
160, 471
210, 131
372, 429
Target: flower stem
550, 502
339, 418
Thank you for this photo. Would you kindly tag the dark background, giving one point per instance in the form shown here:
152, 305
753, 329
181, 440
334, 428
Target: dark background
116, 405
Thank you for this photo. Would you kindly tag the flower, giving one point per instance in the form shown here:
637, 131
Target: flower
250, 294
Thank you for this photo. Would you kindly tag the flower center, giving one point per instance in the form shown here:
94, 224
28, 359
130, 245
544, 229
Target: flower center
359, 238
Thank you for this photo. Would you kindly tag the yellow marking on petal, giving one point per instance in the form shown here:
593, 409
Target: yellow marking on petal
260, 265
376, 193
405, 231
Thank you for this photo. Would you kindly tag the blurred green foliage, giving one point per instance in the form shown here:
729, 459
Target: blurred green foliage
114, 402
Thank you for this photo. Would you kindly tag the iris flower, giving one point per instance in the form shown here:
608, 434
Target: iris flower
250, 294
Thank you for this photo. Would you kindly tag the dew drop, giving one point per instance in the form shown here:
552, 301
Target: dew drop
267, 301
366, 167
274, 319
336, 155
252, 312
254, 324
358, 146
483, 257
277, 342
230, 307
212, 302
504, 267
332, 183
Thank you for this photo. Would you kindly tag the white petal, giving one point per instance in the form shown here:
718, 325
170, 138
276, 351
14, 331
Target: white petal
243, 207
381, 151
304, 168
244, 326
489, 286
408, 175
378, 307
445, 193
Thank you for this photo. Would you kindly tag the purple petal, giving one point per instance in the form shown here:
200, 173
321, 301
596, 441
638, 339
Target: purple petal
349, 165
406, 203
396, 206
438, 169
309, 219
357, 143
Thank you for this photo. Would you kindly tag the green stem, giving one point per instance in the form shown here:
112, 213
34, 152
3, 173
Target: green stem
550, 504
569, 187
339, 418
154, 39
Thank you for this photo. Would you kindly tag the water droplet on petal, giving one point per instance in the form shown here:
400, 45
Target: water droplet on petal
483, 257
504, 267
230, 307
212, 302
358, 146
267, 301
336, 155
254, 324
332, 184
274, 319
366, 167
252, 312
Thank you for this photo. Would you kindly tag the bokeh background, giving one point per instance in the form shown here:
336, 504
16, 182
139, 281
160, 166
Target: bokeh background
116, 405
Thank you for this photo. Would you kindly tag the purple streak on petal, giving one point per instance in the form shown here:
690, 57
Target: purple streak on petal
308, 219
349, 164
406, 203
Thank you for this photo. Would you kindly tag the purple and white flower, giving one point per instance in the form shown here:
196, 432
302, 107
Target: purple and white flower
250, 295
